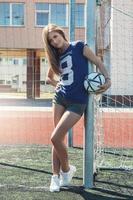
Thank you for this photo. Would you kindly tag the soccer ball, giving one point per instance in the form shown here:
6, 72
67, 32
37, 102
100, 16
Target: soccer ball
93, 81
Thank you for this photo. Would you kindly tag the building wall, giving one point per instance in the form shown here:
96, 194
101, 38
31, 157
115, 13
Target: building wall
29, 35
13, 72
122, 47
14, 42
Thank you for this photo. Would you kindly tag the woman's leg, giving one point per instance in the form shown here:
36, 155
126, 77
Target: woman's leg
58, 111
66, 122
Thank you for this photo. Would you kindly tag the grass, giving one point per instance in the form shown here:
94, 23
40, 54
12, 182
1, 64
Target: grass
25, 173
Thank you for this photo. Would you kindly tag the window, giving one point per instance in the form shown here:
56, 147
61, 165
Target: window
2, 82
11, 14
15, 61
42, 82
8, 82
18, 14
79, 15
50, 13
43, 60
24, 61
58, 14
42, 14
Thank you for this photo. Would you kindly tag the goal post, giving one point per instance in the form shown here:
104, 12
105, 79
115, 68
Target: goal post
89, 116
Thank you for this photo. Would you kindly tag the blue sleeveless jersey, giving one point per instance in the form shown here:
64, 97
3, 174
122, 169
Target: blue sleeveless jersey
74, 68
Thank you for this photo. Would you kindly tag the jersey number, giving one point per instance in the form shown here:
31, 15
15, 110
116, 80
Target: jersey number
67, 72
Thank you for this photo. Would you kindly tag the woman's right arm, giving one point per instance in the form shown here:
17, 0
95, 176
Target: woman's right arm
50, 78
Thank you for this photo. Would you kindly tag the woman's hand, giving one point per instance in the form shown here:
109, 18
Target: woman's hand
104, 87
50, 78
57, 85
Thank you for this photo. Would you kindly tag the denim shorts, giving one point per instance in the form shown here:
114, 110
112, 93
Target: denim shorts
68, 105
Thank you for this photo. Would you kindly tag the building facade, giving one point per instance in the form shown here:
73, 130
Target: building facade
21, 25
23, 64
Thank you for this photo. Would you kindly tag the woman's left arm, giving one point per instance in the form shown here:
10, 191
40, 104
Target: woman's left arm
87, 52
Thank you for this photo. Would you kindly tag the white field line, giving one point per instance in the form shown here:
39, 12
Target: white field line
119, 110
23, 188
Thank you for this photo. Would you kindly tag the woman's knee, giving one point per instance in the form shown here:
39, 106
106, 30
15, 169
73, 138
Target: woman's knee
57, 138
52, 139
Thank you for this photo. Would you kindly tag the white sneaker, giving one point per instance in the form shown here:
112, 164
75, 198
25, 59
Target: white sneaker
55, 184
66, 177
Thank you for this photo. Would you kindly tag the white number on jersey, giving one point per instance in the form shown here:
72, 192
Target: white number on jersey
67, 72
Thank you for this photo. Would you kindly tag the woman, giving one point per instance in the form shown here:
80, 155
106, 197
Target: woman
70, 62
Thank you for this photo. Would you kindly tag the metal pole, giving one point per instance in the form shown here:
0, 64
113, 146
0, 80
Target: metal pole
72, 38
89, 116
72, 20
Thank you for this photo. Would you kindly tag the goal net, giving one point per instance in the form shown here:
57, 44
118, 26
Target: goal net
114, 111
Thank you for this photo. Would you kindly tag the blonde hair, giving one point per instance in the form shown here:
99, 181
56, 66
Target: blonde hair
52, 53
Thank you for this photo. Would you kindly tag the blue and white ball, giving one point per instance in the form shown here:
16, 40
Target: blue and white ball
93, 81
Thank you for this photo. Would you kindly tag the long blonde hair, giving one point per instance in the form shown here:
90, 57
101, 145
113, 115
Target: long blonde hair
52, 53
